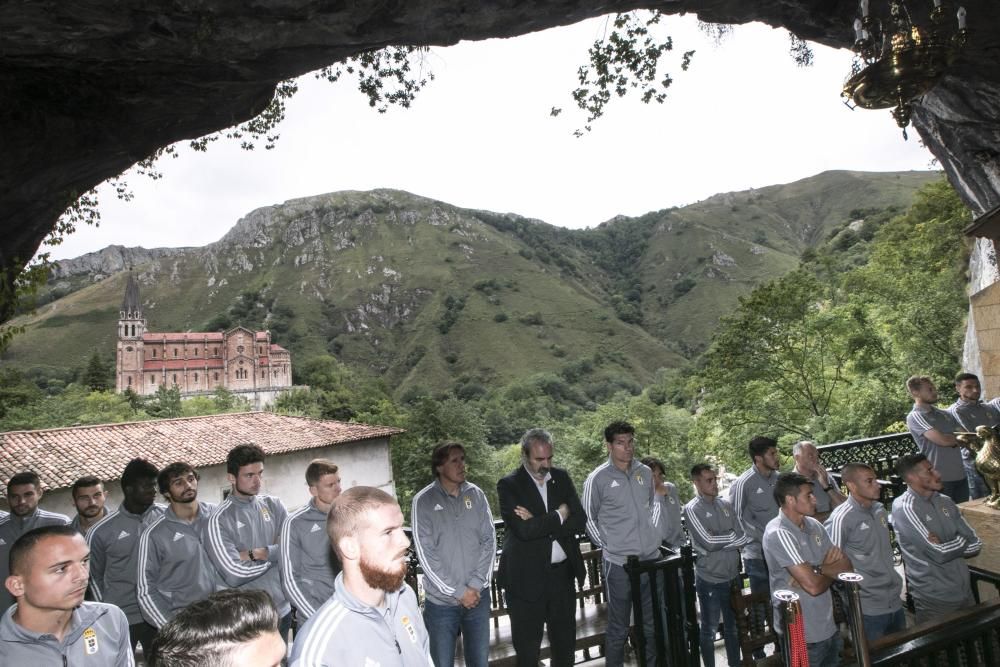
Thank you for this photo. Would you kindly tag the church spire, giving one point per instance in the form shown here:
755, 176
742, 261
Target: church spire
131, 307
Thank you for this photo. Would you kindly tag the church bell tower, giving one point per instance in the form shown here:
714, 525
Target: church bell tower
131, 327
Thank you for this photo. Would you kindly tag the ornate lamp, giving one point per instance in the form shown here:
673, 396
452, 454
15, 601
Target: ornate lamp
902, 60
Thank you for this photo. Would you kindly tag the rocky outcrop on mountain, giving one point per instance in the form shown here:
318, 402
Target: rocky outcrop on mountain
110, 260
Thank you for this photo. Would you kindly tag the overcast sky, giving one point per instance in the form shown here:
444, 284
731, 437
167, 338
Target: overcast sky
481, 136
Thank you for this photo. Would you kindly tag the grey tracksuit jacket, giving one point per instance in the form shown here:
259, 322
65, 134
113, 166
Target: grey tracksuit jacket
13, 527
937, 573
619, 508
716, 536
114, 556
240, 524
455, 541
863, 534
97, 637
752, 496
667, 515
309, 565
345, 631
173, 568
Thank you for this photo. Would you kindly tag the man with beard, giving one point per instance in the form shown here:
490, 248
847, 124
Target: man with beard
935, 541
308, 564
88, 498
24, 490
456, 544
541, 555
933, 430
51, 624
752, 496
373, 617
242, 536
174, 570
970, 412
114, 548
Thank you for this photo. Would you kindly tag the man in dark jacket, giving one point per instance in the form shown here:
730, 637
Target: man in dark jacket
541, 556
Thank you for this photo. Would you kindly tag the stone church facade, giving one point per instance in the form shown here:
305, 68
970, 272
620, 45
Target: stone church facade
243, 361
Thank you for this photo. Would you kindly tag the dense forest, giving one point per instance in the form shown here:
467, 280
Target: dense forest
821, 352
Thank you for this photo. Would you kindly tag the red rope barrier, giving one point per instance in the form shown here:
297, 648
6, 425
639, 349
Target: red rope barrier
797, 641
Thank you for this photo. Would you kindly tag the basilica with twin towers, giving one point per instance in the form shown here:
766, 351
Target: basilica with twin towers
240, 360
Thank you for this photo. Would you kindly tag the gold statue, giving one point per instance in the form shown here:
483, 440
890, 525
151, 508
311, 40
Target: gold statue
985, 444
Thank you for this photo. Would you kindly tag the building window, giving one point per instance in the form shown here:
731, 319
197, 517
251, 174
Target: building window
130, 380
196, 352
152, 379
133, 331
175, 353
216, 377
215, 351
262, 375
196, 377
154, 353
175, 374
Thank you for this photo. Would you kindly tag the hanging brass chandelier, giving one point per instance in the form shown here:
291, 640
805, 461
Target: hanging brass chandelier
899, 61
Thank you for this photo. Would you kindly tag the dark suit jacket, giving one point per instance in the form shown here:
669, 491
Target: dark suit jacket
525, 561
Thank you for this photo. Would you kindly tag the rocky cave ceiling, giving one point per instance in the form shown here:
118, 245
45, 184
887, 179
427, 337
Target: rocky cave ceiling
89, 87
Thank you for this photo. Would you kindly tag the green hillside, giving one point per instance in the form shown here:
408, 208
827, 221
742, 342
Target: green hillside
427, 295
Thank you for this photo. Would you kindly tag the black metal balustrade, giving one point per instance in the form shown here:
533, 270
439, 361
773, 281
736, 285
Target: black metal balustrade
881, 453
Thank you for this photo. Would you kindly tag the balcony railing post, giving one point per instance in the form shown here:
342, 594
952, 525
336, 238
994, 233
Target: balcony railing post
790, 613
852, 585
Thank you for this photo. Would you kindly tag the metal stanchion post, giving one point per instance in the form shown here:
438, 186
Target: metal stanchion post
791, 617
852, 582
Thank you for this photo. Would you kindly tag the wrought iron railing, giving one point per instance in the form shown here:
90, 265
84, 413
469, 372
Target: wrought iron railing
968, 639
881, 453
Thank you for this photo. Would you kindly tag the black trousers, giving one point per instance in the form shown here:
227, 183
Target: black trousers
142, 633
556, 608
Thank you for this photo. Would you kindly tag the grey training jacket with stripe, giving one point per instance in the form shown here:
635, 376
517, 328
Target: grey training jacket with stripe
309, 566
619, 506
241, 524
173, 568
97, 637
716, 536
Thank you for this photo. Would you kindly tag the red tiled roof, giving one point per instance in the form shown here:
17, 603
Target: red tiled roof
61, 455
194, 337
260, 335
181, 364
277, 348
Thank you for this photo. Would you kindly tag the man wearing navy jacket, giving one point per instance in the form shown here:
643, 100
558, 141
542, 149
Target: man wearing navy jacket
542, 514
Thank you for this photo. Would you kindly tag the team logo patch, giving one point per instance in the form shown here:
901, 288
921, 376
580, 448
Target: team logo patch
638, 478
315, 528
122, 535
671, 499
708, 515
760, 490
410, 630
927, 517
818, 540
726, 512
864, 526
468, 502
178, 536
265, 513
944, 510
884, 523
90, 641
614, 483
239, 524
438, 508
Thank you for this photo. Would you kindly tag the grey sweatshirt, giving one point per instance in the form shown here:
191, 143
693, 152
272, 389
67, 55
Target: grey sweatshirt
936, 572
455, 541
173, 567
619, 508
716, 537
309, 566
667, 515
13, 527
863, 534
240, 524
97, 637
114, 557
345, 631
752, 496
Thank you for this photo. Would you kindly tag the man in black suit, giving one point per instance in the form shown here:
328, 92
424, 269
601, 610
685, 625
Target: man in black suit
542, 515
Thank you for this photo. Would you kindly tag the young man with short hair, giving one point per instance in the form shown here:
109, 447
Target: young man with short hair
51, 624
860, 527
174, 570
114, 548
309, 565
971, 412
618, 499
716, 537
242, 537
24, 491
933, 429
800, 556
935, 540
89, 497
235, 627
456, 544
373, 617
